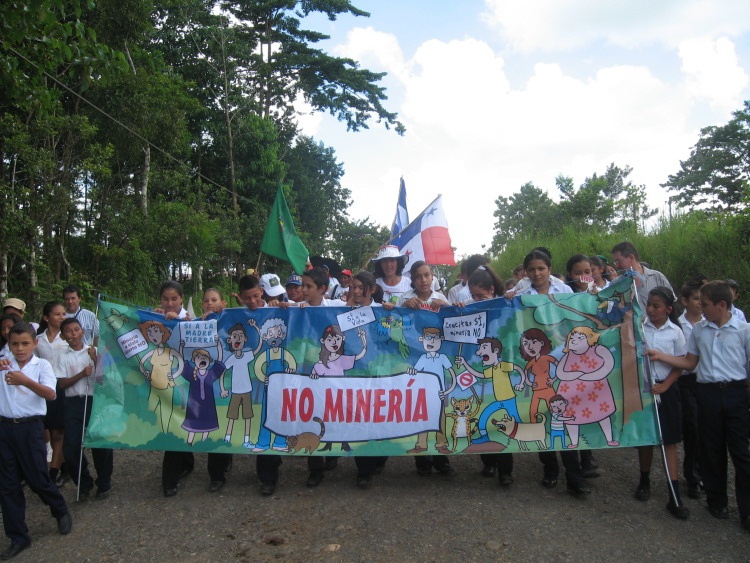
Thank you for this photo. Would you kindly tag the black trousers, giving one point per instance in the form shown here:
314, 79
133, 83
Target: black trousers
103, 458
504, 462
430, 461
366, 465
23, 455
218, 465
267, 467
173, 465
571, 461
689, 395
177, 462
724, 424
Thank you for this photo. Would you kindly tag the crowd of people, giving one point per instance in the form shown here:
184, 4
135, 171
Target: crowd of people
699, 362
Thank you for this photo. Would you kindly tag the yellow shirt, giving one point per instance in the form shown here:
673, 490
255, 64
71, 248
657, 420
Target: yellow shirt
500, 375
161, 368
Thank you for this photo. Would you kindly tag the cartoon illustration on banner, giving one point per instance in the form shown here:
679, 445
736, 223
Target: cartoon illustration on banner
529, 374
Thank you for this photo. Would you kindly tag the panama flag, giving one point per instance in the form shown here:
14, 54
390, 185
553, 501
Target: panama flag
402, 214
426, 238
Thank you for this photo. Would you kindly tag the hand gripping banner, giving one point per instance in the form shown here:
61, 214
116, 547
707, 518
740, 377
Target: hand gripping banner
534, 373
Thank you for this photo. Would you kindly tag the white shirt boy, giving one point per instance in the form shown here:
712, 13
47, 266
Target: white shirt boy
16, 401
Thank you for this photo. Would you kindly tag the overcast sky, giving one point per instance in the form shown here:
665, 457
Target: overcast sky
497, 93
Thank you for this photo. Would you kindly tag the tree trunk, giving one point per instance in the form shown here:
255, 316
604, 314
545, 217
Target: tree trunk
145, 178
3, 273
230, 135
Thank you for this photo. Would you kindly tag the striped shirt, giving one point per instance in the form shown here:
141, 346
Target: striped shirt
89, 324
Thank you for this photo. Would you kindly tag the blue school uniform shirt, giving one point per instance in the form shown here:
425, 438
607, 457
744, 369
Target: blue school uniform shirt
723, 351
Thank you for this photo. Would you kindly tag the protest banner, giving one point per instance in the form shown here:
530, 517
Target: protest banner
376, 378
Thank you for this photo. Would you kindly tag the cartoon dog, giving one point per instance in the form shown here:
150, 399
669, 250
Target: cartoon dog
524, 432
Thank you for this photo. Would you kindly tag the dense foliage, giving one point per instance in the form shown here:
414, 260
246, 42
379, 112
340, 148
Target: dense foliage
142, 140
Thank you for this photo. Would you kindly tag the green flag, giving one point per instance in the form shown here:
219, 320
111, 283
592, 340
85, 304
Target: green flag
280, 239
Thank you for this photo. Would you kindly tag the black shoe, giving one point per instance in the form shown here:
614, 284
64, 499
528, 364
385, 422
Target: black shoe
215, 486
693, 490
101, 494
424, 471
315, 478
331, 463
643, 493
170, 491
678, 511
62, 478
267, 488
488, 471
549, 482
364, 481
720, 512
578, 490
444, 469
327, 447
65, 523
13, 550
505, 479
590, 473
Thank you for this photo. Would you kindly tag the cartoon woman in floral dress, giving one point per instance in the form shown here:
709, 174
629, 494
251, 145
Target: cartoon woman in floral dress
583, 372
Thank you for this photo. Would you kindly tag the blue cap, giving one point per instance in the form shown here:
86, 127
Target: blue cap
294, 279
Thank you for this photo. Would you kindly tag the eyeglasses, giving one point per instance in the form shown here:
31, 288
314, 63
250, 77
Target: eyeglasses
617, 261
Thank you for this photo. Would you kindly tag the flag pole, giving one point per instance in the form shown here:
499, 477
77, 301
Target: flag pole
401, 231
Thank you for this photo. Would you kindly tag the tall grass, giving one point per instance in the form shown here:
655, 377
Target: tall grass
678, 247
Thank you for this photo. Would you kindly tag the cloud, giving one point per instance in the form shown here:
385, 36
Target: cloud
712, 72
554, 25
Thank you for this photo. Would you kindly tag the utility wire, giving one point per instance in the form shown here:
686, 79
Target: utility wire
126, 127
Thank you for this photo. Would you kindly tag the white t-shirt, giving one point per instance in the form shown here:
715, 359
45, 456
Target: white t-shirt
391, 293
412, 293
240, 371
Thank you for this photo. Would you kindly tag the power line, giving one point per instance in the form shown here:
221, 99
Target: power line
128, 129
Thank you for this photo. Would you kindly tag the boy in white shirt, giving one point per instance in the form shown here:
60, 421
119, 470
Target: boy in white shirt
74, 372
27, 383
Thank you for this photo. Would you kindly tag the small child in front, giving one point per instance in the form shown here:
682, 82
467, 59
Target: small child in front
22, 450
718, 351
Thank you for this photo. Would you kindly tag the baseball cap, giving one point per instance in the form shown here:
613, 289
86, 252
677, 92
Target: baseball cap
345, 273
294, 279
271, 285
15, 303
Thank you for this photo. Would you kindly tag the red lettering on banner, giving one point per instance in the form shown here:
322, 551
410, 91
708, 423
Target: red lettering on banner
289, 405
306, 405
407, 408
394, 405
349, 404
377, 415
364, 398
420, 409
334, 409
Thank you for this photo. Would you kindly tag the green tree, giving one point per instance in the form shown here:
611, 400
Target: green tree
318, 200
530, 211
715, 176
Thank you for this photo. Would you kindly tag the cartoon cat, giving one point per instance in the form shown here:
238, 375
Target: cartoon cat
306, 441
462, 419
